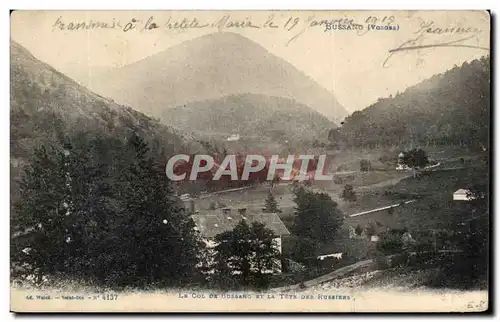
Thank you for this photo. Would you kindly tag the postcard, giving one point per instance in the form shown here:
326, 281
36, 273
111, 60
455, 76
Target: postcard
250, 161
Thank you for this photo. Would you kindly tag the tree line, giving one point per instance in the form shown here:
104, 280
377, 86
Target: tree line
101, 210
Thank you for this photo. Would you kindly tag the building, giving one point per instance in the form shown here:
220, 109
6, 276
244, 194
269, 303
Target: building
462, 194
213, 222
233, 137
401, 166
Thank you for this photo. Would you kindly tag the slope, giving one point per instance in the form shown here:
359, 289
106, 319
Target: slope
46, 103
449, 108
251, 115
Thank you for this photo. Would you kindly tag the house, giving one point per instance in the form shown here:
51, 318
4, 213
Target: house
233, 137
401, 166
213, 222
329, 255
462, 194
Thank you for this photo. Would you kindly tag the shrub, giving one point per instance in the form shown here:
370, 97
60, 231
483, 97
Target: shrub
365, 165
348, 194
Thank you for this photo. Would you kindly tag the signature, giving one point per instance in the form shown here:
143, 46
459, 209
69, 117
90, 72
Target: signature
427, 28
294, 25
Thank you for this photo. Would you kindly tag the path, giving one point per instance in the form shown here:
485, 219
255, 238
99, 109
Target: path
382, 184
382, 208
325, 278
341, 272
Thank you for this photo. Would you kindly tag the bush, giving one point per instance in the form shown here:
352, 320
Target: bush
385, 159
381, 263
390, 242
348, 194
400, 260
365, 165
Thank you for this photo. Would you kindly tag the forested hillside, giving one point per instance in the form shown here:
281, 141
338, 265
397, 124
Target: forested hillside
46, 105
448, 108
250, 115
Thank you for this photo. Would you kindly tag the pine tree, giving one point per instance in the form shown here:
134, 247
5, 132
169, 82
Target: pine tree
95, 207
348, 194
317, 216
155, 240
98, 209
249, 250
271, 204
41, 213
66, 203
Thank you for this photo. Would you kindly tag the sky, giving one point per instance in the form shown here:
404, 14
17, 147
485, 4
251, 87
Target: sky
351, 63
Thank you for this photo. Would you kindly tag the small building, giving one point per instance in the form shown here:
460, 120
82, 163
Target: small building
233, 137
333, 255
329, 256
401, 166
462, 194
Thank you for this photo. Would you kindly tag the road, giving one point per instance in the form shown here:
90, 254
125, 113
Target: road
381, 208
341, 272
325, 278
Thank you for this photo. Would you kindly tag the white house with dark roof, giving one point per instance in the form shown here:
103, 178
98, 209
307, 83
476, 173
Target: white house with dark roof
213, 222
463, 194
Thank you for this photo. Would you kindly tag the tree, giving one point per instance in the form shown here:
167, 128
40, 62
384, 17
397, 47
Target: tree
416, 158
154, 234
66, 200
271, 204
99, 210
391, 242
348, 194
317, 216
248, 251
365, 165
42, 211
371, 229
451, 108
302, 249
470, 267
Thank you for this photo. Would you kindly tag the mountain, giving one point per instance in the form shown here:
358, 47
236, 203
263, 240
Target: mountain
45, 103
449, 108
251, 115
210, 67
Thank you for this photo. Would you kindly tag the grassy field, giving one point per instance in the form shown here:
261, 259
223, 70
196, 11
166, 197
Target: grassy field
434, 206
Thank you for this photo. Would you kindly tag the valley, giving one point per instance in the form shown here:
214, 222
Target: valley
390, 210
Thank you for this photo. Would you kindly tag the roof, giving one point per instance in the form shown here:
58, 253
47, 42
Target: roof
464, 191
215, 222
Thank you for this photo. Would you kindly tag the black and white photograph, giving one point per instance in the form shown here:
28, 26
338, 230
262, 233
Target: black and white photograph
250, 161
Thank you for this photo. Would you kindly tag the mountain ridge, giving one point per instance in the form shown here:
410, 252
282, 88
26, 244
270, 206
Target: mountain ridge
209, 67
252, 115
45, 103
448, 108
